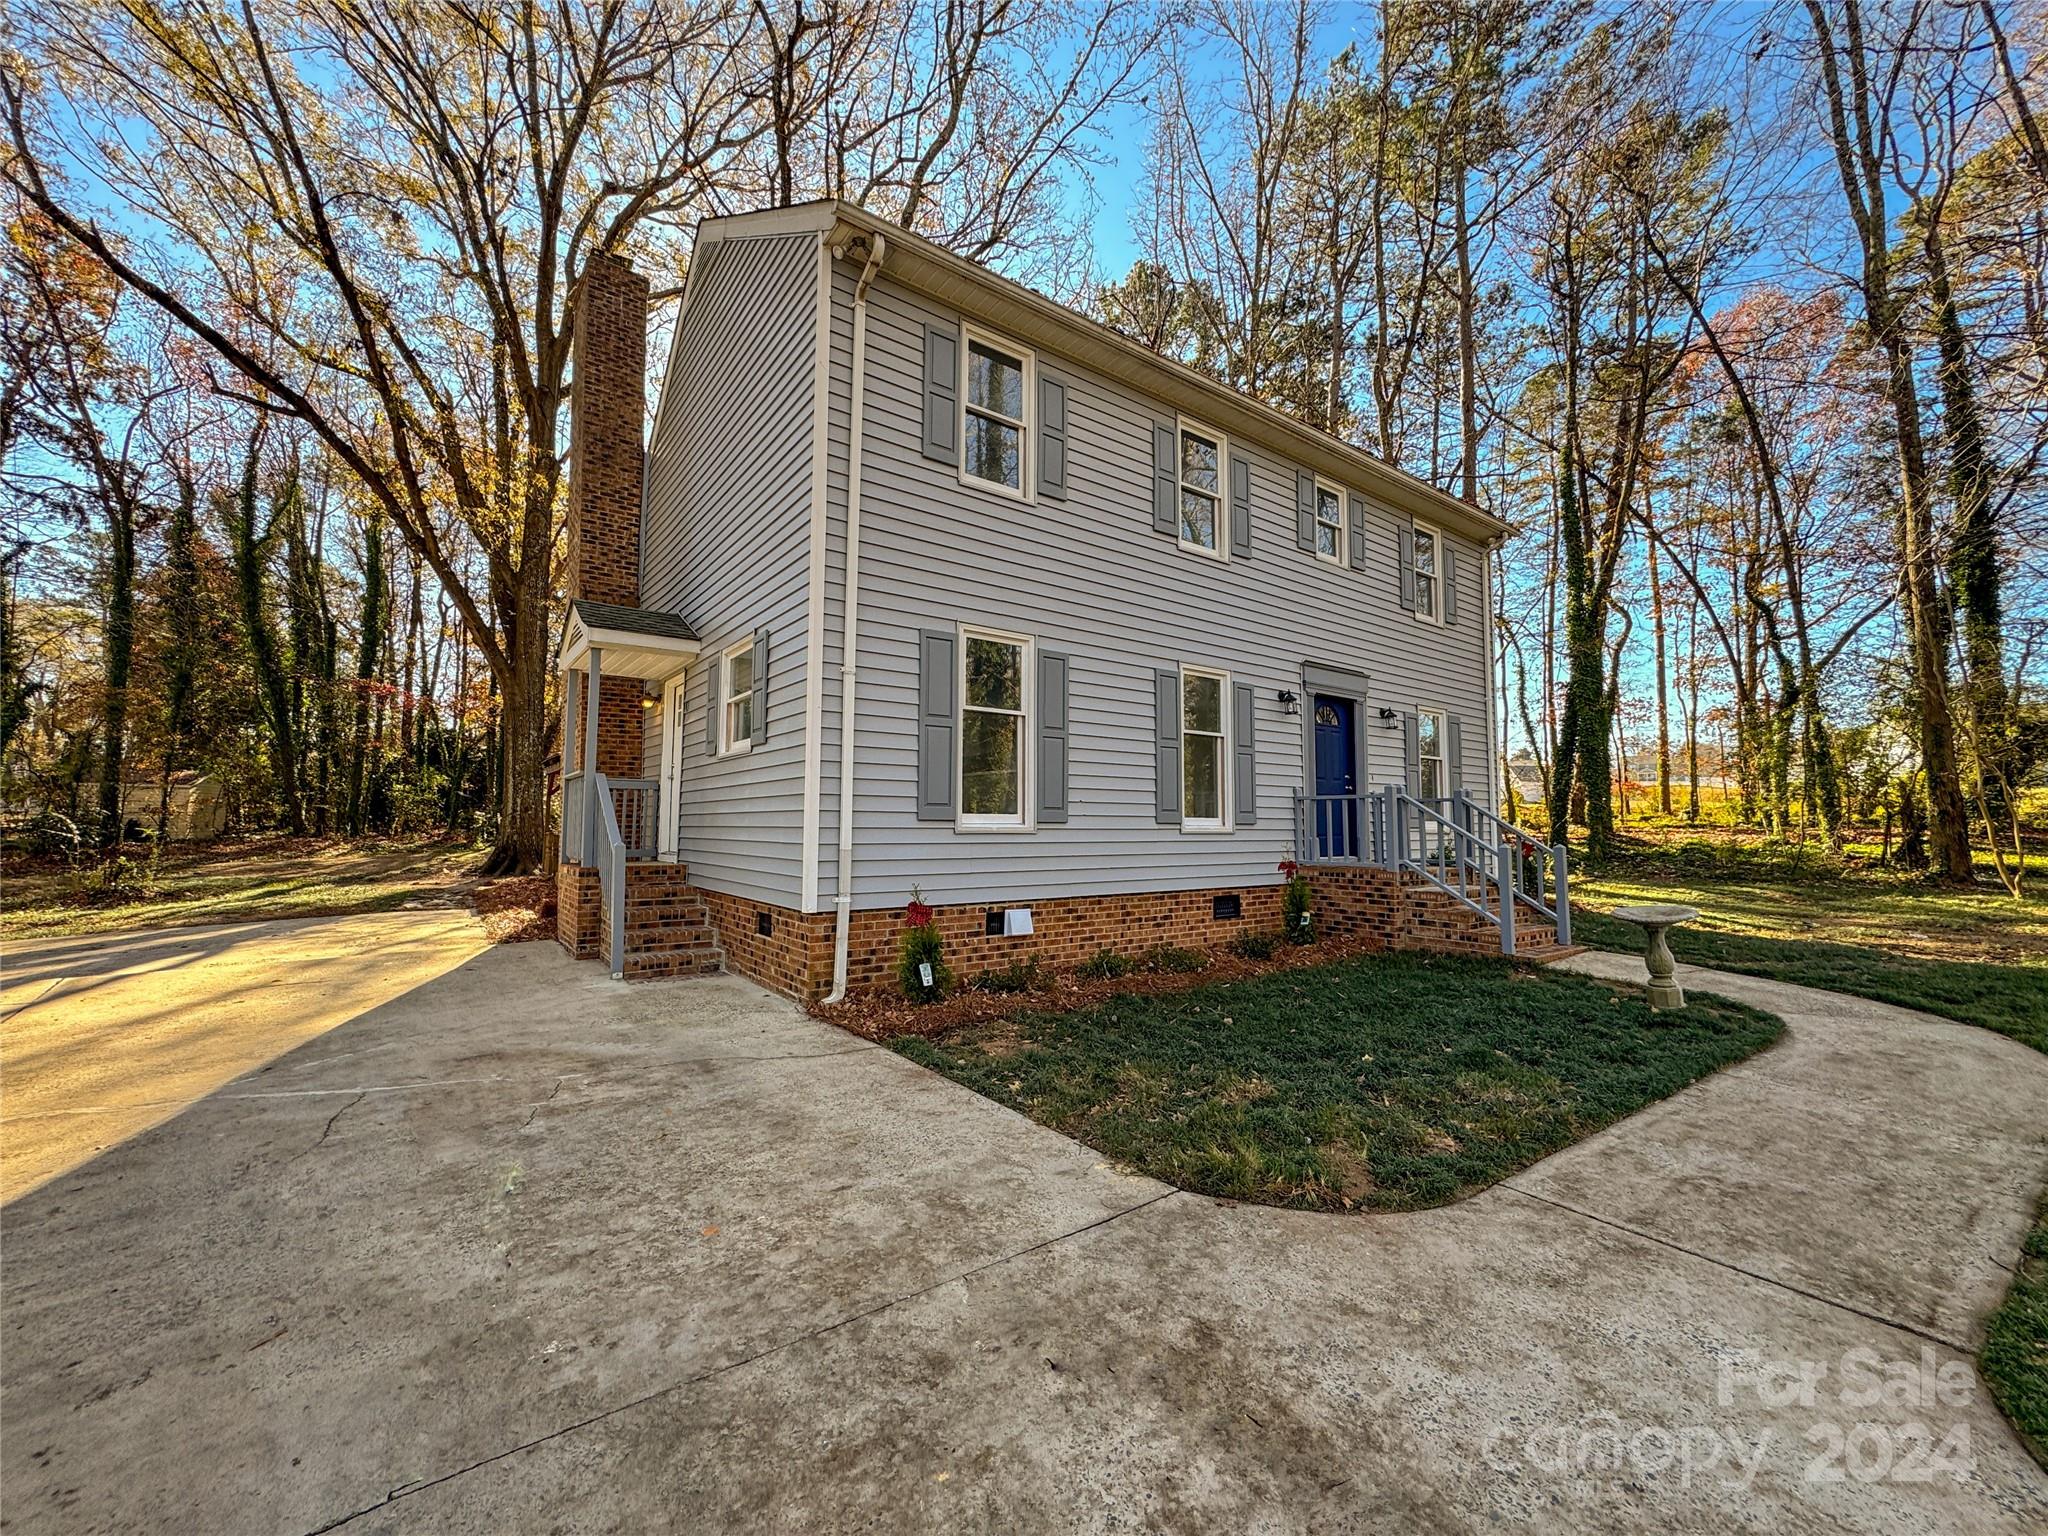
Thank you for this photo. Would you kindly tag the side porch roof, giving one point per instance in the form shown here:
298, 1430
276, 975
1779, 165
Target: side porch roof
636, 642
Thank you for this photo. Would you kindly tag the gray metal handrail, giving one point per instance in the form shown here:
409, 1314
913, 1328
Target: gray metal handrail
572, 818
611, 876
1541, 870
1456, 860
1339, 829
635, 803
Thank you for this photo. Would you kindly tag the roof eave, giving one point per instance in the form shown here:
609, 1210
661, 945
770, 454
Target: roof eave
1031, 317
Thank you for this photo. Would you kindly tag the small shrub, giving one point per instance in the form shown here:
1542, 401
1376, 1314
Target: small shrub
1297, 925
1255, 946
1168, 957
923, 955
1105, 965
117, 880
1025, 975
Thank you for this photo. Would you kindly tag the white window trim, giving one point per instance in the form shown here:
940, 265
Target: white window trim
1443, 757
1337, 559
1435, 613
722, 700
674, 745
1027, 488
1184, 424
1026, 818
1224, 700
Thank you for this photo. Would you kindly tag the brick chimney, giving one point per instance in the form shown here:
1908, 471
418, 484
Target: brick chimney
606, 412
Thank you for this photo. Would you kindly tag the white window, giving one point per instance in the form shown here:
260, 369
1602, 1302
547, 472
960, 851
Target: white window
995, 729
995, 412
1430, 737
1329, 523
736, 698
1426, 563
1205, 750
1201, 489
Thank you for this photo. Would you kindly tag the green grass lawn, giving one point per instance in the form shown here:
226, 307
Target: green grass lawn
1390, 1082
2014, 1362
244, 880
1975, 955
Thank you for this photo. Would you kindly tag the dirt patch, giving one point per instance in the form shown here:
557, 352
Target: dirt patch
519, 910
1348, 1169
886, 1015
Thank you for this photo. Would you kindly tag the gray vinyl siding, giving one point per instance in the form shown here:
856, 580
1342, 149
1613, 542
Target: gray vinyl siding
1088, 577
726, 544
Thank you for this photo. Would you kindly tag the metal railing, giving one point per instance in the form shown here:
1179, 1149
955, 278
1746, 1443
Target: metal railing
1339, 829
574, 817
635, 804
1486, 864
636, 807
611, 877
1539, 872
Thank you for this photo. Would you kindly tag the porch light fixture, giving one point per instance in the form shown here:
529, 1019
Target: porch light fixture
1386, 714
1290, 701
647, 701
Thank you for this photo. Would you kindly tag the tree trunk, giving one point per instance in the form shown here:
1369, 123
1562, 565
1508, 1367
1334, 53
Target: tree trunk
1973, 553
120, 659
370, 636
1663, 685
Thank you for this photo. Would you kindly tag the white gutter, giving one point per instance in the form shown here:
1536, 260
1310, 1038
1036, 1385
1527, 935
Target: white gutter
842, 885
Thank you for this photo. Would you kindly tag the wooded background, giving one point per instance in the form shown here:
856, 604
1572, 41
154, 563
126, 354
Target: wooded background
1737, 315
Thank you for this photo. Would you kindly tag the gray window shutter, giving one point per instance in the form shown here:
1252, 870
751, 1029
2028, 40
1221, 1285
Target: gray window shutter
1449, 561
937, 723
1052, 738
1166, 745
1454, 752
1358, 533
1165, 483
1240, 505
942, 394
760, 685
1304, 511
1244, 778
1052, 438
1411, 753
1404, 538
714, 702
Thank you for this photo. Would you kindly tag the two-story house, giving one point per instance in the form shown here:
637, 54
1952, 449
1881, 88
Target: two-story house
928, 583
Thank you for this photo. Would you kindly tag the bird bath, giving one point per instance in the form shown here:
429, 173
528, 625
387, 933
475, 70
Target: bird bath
1656, 921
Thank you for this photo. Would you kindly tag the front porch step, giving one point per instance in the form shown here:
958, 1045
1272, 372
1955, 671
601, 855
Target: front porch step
1435, 919
668, 926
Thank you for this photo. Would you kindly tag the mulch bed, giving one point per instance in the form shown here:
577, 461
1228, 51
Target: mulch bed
519, 910
884, 1014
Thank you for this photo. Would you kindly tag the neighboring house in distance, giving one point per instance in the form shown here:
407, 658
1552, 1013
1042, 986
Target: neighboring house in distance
929, 583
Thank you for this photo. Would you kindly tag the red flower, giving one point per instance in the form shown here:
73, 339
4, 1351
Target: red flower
917, 914
1289, 868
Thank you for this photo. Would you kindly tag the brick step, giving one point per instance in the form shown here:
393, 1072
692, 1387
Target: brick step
661, 965
1544, 954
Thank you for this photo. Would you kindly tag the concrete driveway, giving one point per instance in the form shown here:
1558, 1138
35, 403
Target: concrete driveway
522, 1248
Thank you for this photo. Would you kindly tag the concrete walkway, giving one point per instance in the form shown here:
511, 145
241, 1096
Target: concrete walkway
107, 1036
524, 1248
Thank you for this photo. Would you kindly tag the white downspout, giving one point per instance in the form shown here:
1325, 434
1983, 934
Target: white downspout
849, 640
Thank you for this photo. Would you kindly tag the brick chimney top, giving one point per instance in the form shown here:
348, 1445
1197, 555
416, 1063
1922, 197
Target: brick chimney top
606, 451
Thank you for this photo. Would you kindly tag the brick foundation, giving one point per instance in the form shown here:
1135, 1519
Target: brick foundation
578, 911
794, 957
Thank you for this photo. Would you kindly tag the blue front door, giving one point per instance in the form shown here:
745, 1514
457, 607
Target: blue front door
1336, 774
